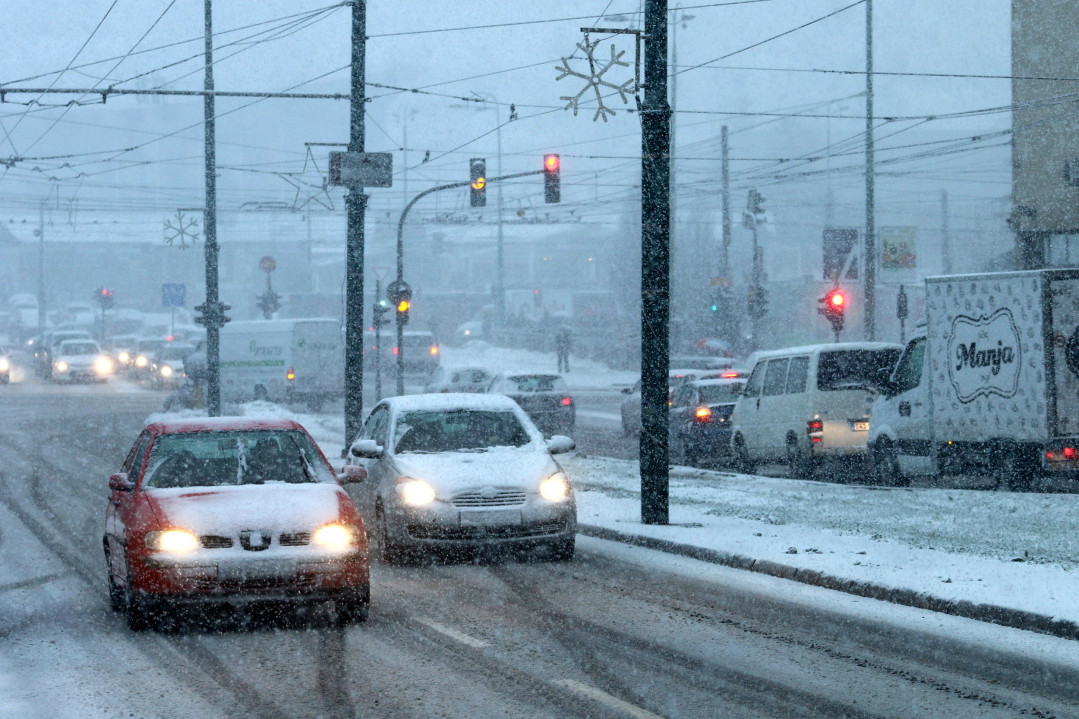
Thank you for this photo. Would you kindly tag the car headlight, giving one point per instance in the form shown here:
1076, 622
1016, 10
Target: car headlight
166, 371
124, 357
336, 536
554, 488
415, 492
171, 540
4, 364
141, 361
103, 365
60, 366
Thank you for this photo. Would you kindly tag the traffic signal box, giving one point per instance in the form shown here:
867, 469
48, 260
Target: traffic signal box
552, 178
834, 308
478, 182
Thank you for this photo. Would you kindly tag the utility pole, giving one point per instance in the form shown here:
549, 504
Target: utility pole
356, 205
41, 269
725, 256
655, 268
212, 310
870, 185
945, 235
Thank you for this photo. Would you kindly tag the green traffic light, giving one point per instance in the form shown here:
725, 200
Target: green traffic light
715, 308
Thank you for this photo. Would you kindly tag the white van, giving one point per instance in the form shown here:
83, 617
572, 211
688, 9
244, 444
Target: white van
806, 403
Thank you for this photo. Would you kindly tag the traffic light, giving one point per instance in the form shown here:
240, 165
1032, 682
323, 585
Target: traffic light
478, 181
552, 182
402, 311
104, 298
755, 203
381, 310
834, 308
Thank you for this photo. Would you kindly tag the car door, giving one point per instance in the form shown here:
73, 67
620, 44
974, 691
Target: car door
121, 510
680, 403
747, 415
774, 409
910, 420
365, 493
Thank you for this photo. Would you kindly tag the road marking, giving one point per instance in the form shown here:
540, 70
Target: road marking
604, 698
452, 633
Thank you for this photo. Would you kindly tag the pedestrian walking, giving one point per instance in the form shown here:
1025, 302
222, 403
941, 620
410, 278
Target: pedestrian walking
562, 340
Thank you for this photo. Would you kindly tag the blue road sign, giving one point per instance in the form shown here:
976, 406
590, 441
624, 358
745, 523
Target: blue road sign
173, 295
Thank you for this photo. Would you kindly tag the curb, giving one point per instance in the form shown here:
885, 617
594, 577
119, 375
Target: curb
1014, 618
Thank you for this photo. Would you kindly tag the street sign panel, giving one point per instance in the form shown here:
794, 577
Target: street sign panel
838, 244
361, 169
267, 264
173, 295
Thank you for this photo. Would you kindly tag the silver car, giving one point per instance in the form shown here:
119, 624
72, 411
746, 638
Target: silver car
454, 472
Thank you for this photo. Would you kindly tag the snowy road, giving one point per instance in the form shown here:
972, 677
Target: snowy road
618, 632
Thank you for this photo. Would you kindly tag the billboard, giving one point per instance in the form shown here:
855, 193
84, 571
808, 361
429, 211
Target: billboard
898, 248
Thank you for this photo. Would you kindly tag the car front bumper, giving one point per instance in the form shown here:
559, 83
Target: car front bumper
449, 527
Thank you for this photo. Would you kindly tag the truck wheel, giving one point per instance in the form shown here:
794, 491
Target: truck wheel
886, 465
1012, 469
798, 465
261, 395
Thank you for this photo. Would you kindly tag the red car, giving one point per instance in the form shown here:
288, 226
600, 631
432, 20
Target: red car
232, 510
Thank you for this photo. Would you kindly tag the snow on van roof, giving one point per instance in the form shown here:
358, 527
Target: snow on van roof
451, 400
832, 346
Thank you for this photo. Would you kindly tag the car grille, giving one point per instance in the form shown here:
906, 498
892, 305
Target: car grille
211, 541
294, 539
437, 531
501, 498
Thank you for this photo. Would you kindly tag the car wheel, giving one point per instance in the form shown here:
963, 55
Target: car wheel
388, 549
741, 456
1011, 470
139, 615
116, 594
885, 461
562, 550
261, 395
354, 609
798, 466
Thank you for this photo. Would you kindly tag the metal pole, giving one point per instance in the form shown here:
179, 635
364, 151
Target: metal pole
41, 269
725, 258
500, 289
378, 341
212, 311
945, 235
870, 188
655, 268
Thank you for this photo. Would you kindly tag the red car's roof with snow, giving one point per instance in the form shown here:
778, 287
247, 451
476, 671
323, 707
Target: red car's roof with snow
222, 424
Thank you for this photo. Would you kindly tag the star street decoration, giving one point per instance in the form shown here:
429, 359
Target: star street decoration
182, 231
595, 80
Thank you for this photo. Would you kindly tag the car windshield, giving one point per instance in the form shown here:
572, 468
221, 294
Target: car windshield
210, 459
531, 383
850, 369
78, 348
717, 393
458, 430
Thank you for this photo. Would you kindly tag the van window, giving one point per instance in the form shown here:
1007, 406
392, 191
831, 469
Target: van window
756, 379
797, 375
908, 373
854, 369
775, 380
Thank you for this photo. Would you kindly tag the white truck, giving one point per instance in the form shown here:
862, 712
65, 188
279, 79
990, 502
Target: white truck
989, 383
291, 360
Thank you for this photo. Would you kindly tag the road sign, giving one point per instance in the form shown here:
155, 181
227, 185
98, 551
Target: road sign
173, 295
361, 169
267, 264
839, 242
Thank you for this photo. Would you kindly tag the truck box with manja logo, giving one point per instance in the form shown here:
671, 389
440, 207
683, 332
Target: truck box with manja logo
988, 383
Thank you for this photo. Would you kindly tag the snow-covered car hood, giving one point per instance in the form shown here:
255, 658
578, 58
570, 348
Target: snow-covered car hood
228, 510
498, 466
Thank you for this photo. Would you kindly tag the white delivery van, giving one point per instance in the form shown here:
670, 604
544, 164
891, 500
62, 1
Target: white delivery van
803, 404
291, 360
989, 383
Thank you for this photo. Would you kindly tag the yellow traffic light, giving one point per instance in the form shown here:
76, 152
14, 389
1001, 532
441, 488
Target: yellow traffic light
403, 306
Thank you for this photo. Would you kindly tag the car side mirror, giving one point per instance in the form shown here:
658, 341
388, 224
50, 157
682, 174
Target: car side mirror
366, 449
627, 390
120, 482
353, 474
560, 444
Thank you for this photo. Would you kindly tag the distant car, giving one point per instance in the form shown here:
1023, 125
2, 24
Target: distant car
75, 360
45, 349
453, 472
145, 348
631, 405
458, 379
232, 510
124, 349
545, 398
167, 365
5, 366
700, 419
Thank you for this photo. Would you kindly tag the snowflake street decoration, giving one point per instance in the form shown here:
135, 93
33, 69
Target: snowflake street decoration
182, 231
595, 80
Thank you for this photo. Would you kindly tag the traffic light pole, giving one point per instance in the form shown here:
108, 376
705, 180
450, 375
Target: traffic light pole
356, 205
378, 341
401, 257
655, 268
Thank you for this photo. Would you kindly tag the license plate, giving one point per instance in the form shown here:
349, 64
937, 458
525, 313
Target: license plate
860, 426
491, 519
261, 569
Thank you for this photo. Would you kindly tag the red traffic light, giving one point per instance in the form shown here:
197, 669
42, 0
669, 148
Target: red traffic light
837, 299
552, 182
550, 163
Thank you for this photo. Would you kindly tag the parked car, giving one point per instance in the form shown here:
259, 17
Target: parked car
80, 359
5, 366
700, 419
458, 379
804, 404
544, 397
454, 472
230, 511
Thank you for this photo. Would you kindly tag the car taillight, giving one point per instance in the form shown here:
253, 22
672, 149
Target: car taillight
704, 414
290, 375
566, 401
729, 375
395, 350
815, 428
1069, 453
